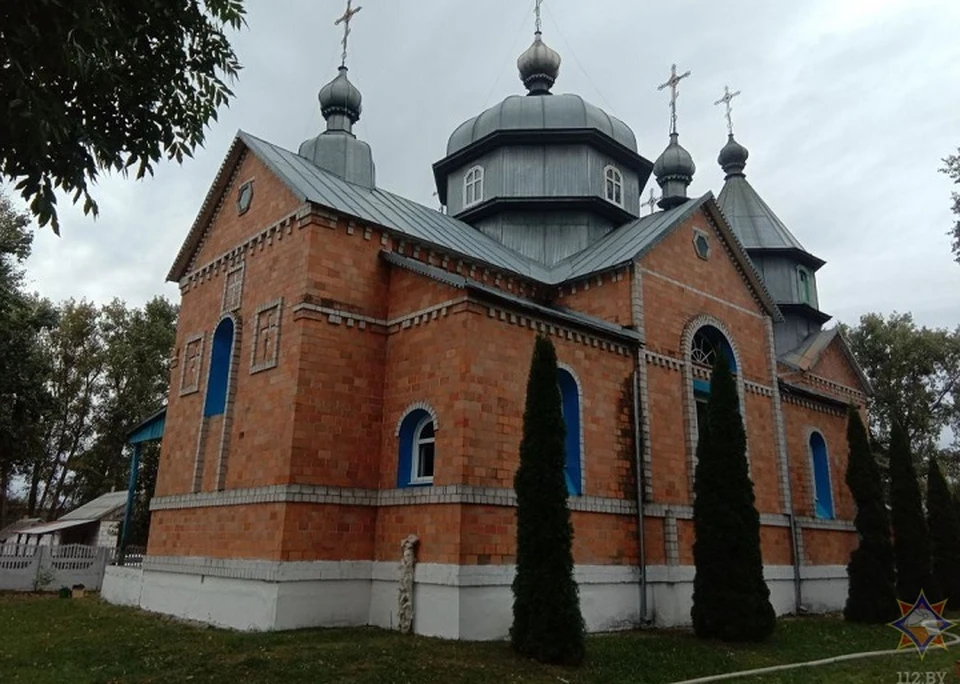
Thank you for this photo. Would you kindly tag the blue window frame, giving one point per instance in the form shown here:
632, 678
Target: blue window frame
219, 377
417, 449
822, 492
570, 405
708, 341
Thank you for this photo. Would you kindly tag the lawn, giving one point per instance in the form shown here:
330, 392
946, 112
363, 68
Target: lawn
44, 639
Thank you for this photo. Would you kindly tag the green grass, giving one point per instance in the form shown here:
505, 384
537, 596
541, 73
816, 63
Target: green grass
45, 639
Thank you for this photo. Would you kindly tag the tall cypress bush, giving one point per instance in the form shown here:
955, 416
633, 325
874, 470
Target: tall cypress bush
944, 526
547, 624
731, 601
911, 544
871, 596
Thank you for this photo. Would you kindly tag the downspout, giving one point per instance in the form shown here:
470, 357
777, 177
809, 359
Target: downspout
638, 460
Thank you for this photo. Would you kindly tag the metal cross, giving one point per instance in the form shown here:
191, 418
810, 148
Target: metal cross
345, 20
536, 11
652, 202
727, 97
673, 82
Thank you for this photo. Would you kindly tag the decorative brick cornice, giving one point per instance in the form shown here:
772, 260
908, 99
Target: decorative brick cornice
662, 360
811, 404
556, 330
409, 496
229, 259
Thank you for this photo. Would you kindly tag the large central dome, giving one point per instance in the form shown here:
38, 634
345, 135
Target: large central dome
522, 112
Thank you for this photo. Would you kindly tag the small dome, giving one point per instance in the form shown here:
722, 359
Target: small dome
517, 112
733, 157
539, 67
340, 96
674, 163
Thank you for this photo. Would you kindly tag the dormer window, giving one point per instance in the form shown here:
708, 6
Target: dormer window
473, 186
613, 185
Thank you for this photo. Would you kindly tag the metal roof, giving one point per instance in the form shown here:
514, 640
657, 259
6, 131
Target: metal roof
47, 528
312, 184
18, 527
752, 219
523, 112
100, 507
807, 355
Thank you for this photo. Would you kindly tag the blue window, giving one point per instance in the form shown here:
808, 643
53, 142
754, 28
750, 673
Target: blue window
570, 405
219, 377
417, 449
822, 493
708, 341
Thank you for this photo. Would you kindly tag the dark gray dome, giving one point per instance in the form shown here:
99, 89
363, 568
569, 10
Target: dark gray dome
519, 112
733, 157
674, 163
340, 96
539, 67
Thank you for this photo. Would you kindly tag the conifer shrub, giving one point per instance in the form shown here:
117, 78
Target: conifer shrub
944, 526
547, 623
731, 600
871, 596
911, 544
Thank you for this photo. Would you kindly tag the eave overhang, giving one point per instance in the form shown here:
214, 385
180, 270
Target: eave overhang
616, 214
812, 394
812, 262
804, 310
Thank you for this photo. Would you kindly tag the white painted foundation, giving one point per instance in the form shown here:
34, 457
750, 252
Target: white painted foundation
473, 603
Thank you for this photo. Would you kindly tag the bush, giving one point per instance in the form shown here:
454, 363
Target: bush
547, 624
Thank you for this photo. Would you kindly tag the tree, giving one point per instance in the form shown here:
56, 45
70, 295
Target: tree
915, 373
952, 169
944, 525
871, 597
547, 624
911, 544
107, 85
731, 600
23, 318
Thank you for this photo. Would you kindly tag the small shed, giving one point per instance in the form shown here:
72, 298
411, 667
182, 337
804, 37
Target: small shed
95, 523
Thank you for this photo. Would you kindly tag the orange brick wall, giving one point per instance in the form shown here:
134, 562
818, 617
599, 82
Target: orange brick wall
833, 365
828, 547
671, 471
610, 300
251, 531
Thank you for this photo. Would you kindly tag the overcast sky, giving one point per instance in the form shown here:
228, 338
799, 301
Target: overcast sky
847, 108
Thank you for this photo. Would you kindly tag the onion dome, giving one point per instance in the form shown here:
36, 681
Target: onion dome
539, 67
339, 100
733, 157
674, 171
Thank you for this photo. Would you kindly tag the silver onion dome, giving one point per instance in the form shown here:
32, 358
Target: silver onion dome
539, 67
733, 157
340, 97
674, 171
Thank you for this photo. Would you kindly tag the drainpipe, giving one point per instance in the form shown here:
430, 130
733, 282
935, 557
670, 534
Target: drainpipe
795, 547
128, 510
638, 457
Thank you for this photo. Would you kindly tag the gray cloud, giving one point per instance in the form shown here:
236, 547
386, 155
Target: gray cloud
847, 108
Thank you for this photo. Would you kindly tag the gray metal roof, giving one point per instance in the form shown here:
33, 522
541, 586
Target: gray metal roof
312, 184
752, 219
807, 355
98, 508
522, 112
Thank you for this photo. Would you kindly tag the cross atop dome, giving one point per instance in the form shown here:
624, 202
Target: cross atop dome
345, 19
726, 100
674, 84
539, 65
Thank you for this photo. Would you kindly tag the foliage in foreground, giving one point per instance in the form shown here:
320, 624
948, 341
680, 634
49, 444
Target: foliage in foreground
911, 544
731, 600
107, 85
547, 624
871, 596
952, 169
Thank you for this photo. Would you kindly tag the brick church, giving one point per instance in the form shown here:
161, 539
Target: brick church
350, 369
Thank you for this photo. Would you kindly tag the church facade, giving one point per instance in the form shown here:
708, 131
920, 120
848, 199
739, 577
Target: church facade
350, 369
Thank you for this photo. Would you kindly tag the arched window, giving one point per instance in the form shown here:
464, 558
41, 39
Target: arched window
417, 449
613, 185
219, 375
570, 405
708, 341
805, 294
822, 491
473, 186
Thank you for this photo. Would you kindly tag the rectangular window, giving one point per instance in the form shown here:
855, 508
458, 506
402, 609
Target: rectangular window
192, 361
266, 339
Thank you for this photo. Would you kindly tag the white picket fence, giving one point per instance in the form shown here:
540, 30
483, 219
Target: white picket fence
27, 567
